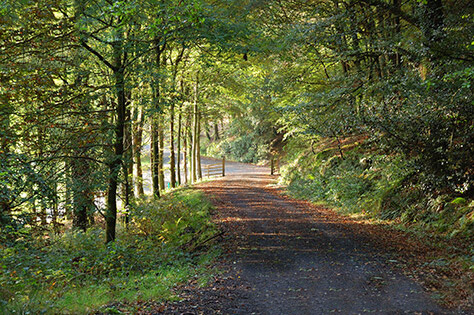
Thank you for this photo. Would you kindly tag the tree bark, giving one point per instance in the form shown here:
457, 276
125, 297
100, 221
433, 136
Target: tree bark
137, 148
172, 148
216, 132
155, 147
198, 150
161, 134
128, 159
42, 213
195, 130
172, 116
190, 148
185, 156
208, 133
5, 134
82, 198
55, 206
178, 165
116, 163
161, 139
155, 127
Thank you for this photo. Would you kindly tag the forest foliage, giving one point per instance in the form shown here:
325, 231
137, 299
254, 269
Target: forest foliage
369, 104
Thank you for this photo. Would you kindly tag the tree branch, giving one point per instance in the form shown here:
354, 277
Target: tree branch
98, 55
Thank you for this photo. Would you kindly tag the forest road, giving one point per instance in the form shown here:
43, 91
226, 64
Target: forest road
286, 256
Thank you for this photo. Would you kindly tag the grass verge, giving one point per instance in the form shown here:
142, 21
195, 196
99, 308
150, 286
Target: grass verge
165, 245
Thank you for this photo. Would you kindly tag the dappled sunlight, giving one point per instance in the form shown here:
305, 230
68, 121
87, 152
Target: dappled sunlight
276, 240
239, 219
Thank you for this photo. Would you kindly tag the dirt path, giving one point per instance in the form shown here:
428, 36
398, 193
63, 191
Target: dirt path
290, 257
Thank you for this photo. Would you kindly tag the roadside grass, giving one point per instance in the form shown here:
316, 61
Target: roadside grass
164, 246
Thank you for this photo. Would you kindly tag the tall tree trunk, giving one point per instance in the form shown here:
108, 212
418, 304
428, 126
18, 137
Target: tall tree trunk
208, 133
216, 132
198, 145
82, 198
161, 133
172, 116
178, 165
185, 154
172, 153
5, 135
55, 208
195, 129
116, 163
155, 148
161, 139
33, 206
79, 168
155, 127
191, 148
42, 213
128, 159
137, 151
68, 213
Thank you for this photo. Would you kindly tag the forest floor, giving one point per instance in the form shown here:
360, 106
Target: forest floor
286, 256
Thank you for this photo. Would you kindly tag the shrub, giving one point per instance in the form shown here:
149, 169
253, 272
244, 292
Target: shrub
383, 186
181, 218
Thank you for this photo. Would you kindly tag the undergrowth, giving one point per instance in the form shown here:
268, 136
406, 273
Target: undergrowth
165, 244
381, 186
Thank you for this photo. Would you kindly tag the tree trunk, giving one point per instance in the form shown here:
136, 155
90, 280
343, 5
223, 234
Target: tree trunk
42, 213
161, 139
172, 153
208, 133
178, 165
155, 127
195, 133
185, 154
80, 171
82, 198
161, 133
55, 213
191, 149
155, 146
128, 160
137, 148
216, 132
116, 163
68, 214
198, 150
5, 135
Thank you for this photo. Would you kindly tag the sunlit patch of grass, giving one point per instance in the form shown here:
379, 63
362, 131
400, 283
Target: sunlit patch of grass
82, 299
154, 285
91, 295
